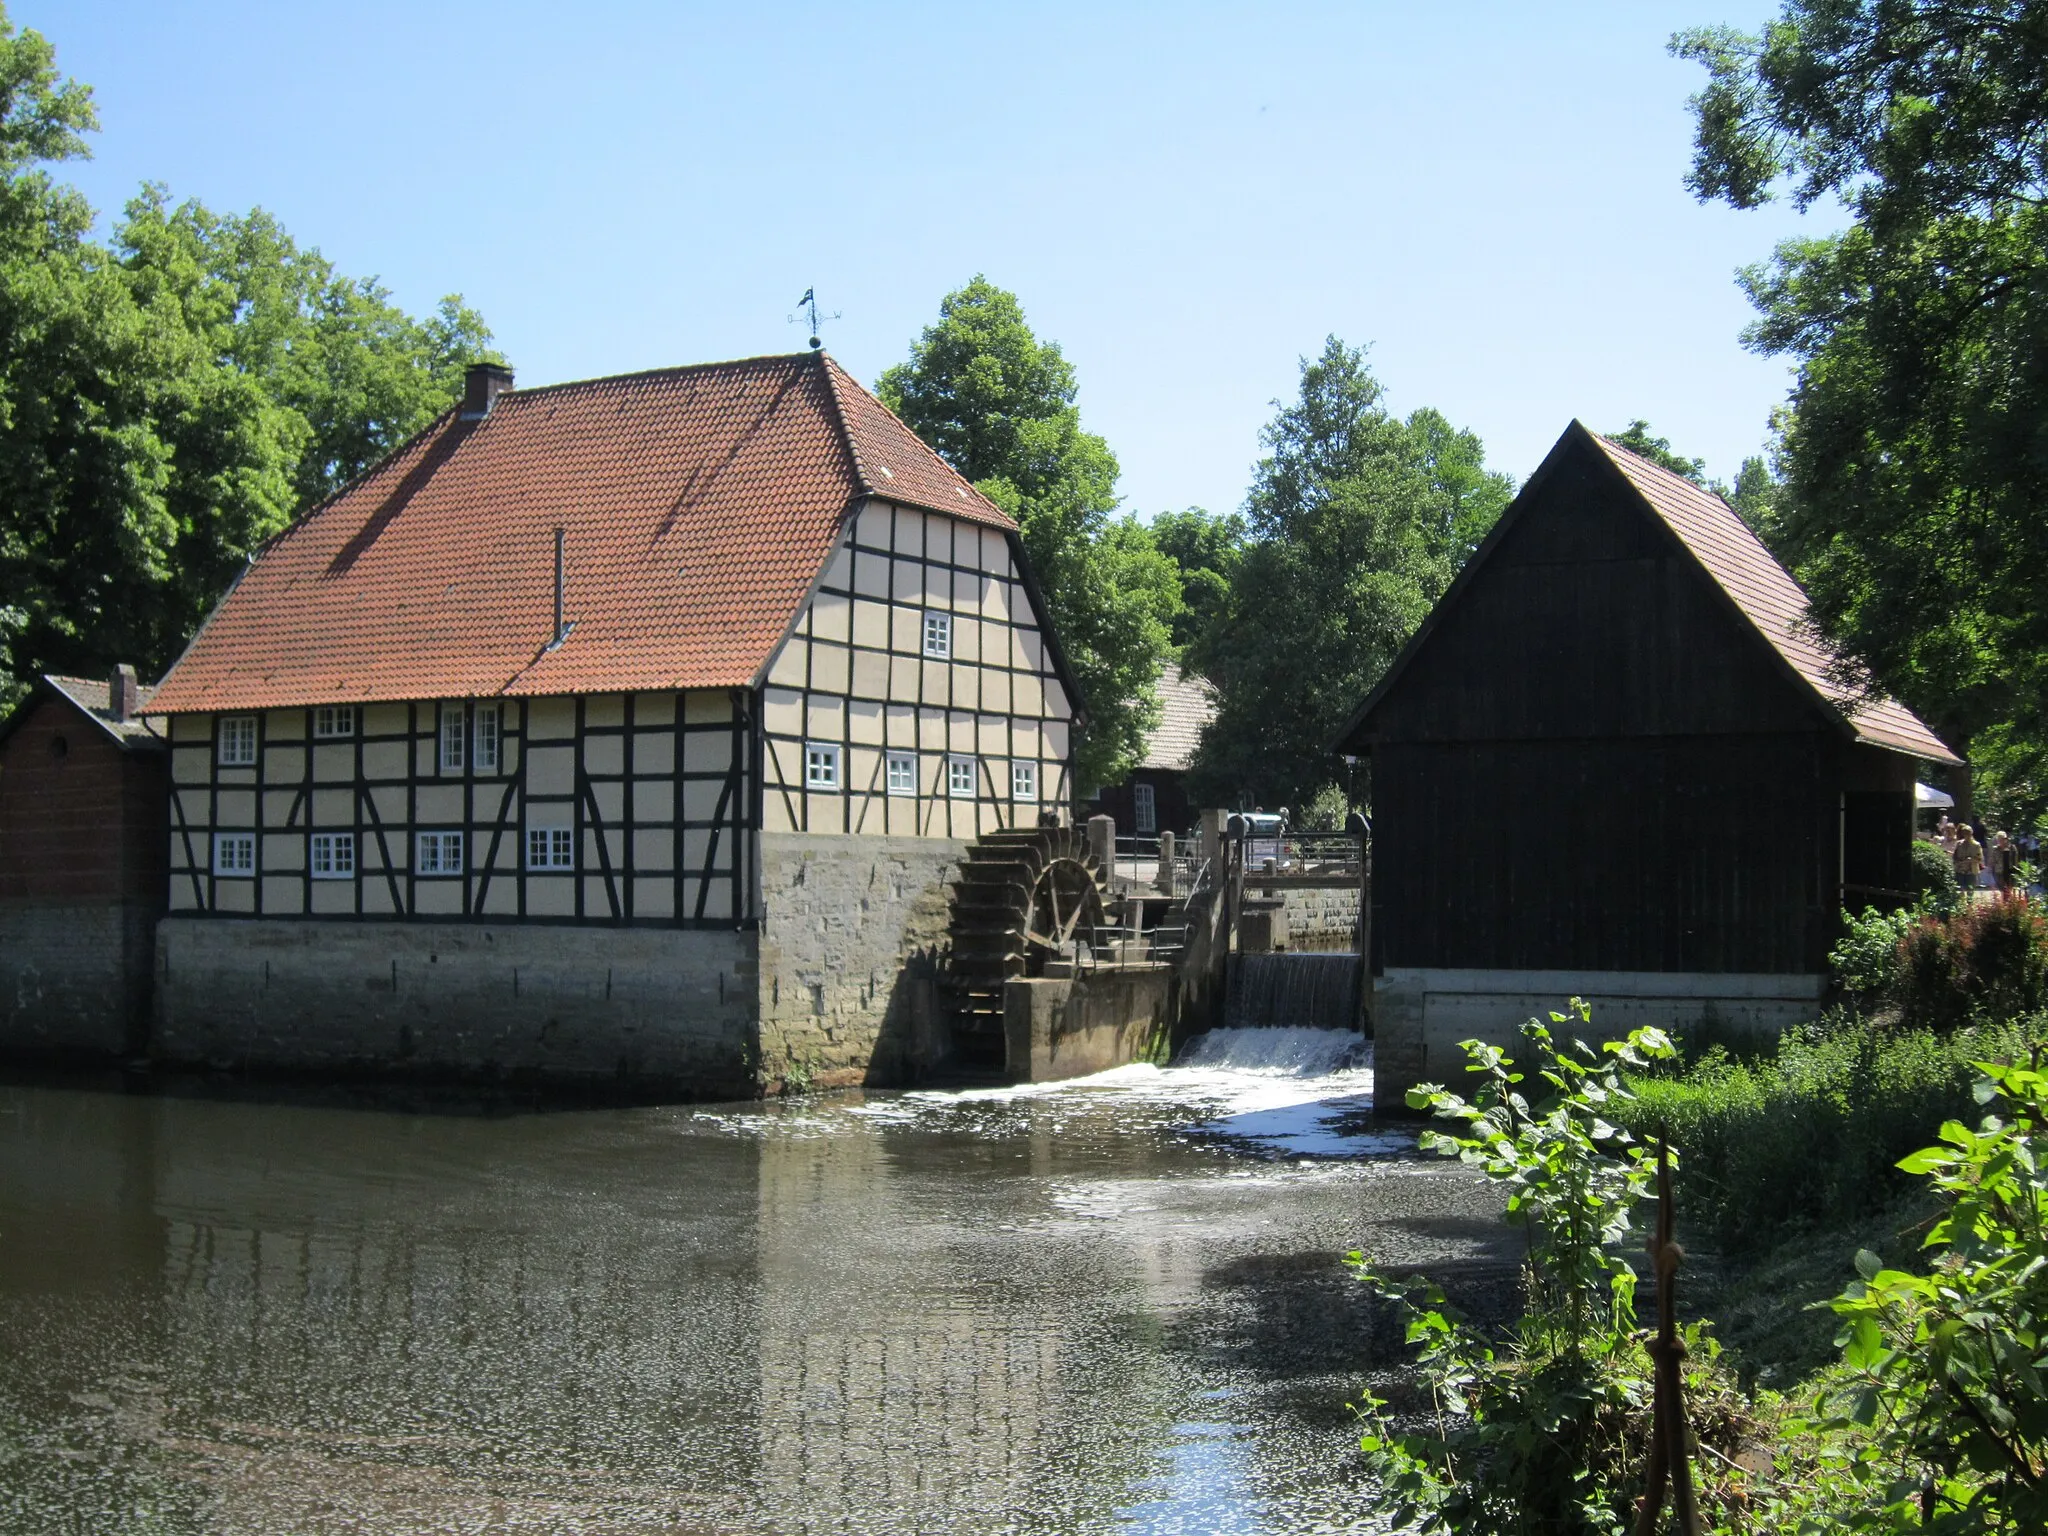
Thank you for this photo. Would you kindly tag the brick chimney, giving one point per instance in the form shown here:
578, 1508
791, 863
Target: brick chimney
481, 387
121, 697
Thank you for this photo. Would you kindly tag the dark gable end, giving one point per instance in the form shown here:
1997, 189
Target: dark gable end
1615, 599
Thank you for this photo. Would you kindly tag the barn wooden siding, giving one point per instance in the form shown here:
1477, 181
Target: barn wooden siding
1595, 763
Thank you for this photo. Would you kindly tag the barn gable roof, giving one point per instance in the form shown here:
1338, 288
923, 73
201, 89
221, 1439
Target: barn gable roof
1757, 588
698, 506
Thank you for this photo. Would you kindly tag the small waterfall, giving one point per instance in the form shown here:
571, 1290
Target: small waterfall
1282, 1051
1315, 991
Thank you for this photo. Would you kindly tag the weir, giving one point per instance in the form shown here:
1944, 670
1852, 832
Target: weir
1308, 991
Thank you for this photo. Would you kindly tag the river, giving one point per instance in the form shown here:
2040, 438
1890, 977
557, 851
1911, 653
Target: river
1115, 1305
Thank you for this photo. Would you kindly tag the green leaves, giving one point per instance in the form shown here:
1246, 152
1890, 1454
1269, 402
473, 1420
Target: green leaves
1356, 523
1913, 453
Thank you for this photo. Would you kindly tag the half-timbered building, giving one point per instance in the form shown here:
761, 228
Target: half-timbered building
1617, 762
629, 727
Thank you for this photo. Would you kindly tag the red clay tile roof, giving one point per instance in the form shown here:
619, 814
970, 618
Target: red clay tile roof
1186, 704
1771, 600
697, 506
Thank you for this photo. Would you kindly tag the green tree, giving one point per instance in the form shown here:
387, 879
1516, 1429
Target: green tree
1915, 452
169, 400
1357, 521
1206, 550
998, 404
1638, 439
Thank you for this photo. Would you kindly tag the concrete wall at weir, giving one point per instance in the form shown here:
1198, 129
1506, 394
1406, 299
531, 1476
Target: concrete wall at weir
851, 934
1420, 1016
74, 981
1060, 1027
635, 1009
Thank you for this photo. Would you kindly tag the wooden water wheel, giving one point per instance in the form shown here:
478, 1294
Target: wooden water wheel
1025, 897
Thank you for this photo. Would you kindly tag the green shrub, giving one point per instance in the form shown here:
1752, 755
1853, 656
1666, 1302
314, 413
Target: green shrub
1811, 1136
1939, 1418
1934, 877
1865, 959
1548, 1435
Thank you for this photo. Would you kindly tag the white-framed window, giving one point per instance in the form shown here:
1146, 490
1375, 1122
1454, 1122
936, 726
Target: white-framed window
332, 855
902, 773
1145, 808
821, 765
234, 853
437, 853
1023, 781
938, 636
960, 777
484, 738
238, 741
550, 848
331, 720
451, 738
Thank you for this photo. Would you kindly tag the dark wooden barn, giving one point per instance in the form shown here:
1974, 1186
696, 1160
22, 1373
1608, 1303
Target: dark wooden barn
1617, 762
84, 862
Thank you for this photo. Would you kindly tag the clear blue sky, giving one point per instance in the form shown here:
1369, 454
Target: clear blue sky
1187, 198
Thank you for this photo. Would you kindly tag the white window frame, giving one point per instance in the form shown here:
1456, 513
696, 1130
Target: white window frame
331, 855
821, 765
237, 742
332, 721
1144, 808
234, 855
454, 731
938, 635
556, 847
438, 853
957, 769
901, 773
486, 734
1024, 781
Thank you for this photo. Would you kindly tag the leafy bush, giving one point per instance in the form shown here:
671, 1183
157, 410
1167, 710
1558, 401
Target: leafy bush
1934, 877
1985, 958
1550, 1434
1866, 958
1939, 1420
1812, 1135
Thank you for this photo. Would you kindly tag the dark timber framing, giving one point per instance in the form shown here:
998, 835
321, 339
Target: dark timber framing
648, 817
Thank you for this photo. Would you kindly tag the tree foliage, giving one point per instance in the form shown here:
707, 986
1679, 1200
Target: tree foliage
998, 404
1915, 454
1206, 550
1356, 522
170, 398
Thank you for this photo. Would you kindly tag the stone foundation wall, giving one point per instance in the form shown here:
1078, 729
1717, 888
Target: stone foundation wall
1322, 917
1420, 1016
850, 939
74, 982
636, 1010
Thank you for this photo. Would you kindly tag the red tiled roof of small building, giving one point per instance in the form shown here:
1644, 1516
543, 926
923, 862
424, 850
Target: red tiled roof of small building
697, 506
1771, 600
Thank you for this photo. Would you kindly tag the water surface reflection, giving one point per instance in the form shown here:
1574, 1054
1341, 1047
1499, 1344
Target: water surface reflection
1033, 1312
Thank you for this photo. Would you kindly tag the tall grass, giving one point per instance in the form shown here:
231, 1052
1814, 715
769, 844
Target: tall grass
1811, 1136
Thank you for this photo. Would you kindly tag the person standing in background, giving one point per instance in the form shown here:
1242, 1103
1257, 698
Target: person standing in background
1968, 857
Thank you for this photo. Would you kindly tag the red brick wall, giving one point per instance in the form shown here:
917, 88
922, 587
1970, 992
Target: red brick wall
82, 826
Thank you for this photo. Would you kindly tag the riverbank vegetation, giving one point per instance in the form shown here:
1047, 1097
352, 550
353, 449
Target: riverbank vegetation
1925, 1273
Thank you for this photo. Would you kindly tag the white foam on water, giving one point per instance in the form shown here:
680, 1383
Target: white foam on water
1291, 1091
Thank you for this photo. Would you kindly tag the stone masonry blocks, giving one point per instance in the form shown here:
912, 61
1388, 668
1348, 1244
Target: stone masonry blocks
636, 1009
850, 943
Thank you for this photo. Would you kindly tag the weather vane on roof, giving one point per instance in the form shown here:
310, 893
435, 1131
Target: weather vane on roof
807, 307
